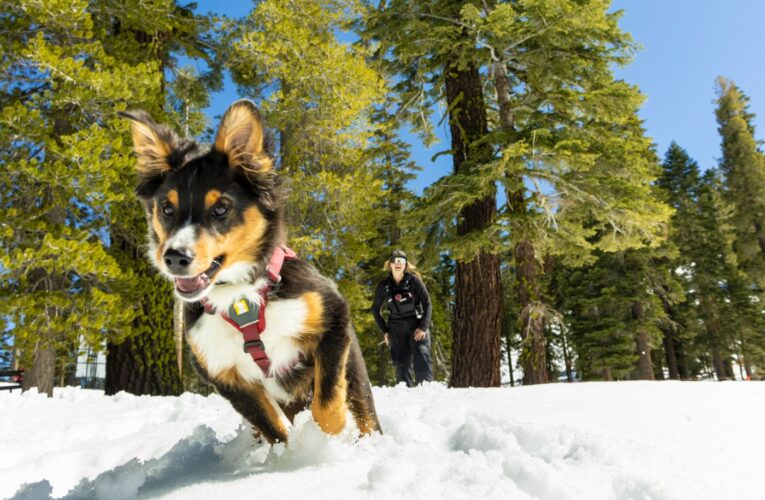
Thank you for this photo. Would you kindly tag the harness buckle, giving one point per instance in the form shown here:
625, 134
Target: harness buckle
252, 343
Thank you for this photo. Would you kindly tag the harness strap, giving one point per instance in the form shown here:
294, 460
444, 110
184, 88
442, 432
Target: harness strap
252, 344
274, 266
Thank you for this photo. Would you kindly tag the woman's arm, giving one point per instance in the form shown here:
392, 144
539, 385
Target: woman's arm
377, 303
427, 310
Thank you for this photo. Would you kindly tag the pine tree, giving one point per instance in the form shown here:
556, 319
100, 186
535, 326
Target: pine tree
613, 314
390, 156
147, 362
74, 270
566, 145
62, 159
716, 282
318, 93
743, 166
448, 60
679, 186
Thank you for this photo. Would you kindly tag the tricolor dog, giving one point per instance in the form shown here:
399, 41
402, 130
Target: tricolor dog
265, 328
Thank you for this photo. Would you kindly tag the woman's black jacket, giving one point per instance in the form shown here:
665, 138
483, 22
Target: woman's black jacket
385, 293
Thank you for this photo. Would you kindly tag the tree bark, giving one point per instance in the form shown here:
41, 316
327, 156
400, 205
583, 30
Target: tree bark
567, 359
717, 362
645, 367
682, 360
658, 368
130, 369
179, 329
42, 373
534, 355
669, 351
146, 363
728, 367
669, 339
528, 272
478, 304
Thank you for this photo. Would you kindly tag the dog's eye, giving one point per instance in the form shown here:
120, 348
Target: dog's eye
168, 209
220, 210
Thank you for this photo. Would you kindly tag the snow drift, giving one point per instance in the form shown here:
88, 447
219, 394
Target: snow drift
658, 440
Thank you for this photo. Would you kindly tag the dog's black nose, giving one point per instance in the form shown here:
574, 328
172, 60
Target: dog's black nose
178, 261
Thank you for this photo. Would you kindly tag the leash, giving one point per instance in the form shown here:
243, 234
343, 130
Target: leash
250, 317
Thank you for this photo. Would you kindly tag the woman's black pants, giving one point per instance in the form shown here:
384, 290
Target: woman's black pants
404, 349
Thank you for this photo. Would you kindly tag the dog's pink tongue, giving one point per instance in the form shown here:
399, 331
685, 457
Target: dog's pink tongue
190, 285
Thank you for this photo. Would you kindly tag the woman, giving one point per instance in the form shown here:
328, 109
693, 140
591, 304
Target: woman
406, 331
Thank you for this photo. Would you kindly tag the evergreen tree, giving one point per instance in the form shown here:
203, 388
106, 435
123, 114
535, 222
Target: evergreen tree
679, 185
743, 166
64, 165
445, 65
613, 314
318, 93
713, 277
389, 156
73, 269
148, 361
565, 144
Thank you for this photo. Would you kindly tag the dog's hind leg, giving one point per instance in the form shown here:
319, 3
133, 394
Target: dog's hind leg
360, 400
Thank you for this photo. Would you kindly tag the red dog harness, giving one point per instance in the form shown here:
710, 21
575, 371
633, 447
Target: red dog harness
250, 317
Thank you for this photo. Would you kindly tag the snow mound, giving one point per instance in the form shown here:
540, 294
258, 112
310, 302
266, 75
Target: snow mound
661, 440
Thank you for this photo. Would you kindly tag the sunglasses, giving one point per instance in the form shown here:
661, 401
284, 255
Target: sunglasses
398, 260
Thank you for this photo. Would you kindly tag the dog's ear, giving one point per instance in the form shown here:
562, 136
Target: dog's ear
240, 138
153, 145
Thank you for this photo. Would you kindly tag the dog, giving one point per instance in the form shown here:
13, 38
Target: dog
265, 328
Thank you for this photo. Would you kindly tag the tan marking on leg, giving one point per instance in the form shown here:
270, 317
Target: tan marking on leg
211, 197
313, 324
330, 415
172, 197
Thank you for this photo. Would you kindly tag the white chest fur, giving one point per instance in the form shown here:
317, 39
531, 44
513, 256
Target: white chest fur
219, 345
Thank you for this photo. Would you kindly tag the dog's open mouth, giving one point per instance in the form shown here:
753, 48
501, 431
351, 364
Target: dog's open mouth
193, 286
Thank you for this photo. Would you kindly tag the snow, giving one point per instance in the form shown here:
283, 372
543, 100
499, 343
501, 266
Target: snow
631, 440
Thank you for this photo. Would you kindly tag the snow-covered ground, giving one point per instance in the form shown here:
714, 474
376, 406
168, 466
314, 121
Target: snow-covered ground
638, 440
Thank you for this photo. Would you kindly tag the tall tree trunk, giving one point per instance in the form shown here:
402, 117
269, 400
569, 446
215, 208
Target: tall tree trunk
669, 351
528, 271
728, 367
130, 369
717, 362
510, 365
645, 367
42, 373
668, 341
146, 363
478, 304
534, 355
658, 368
179, 329
567, 358
682, 359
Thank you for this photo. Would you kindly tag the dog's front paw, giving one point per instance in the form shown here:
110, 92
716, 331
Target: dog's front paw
331, 417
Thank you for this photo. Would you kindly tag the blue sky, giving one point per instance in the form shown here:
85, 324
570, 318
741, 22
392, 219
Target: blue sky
686, 44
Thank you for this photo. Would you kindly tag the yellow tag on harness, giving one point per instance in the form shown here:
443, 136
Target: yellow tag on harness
241, 307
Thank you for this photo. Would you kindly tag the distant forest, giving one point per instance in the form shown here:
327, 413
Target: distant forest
562, 245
